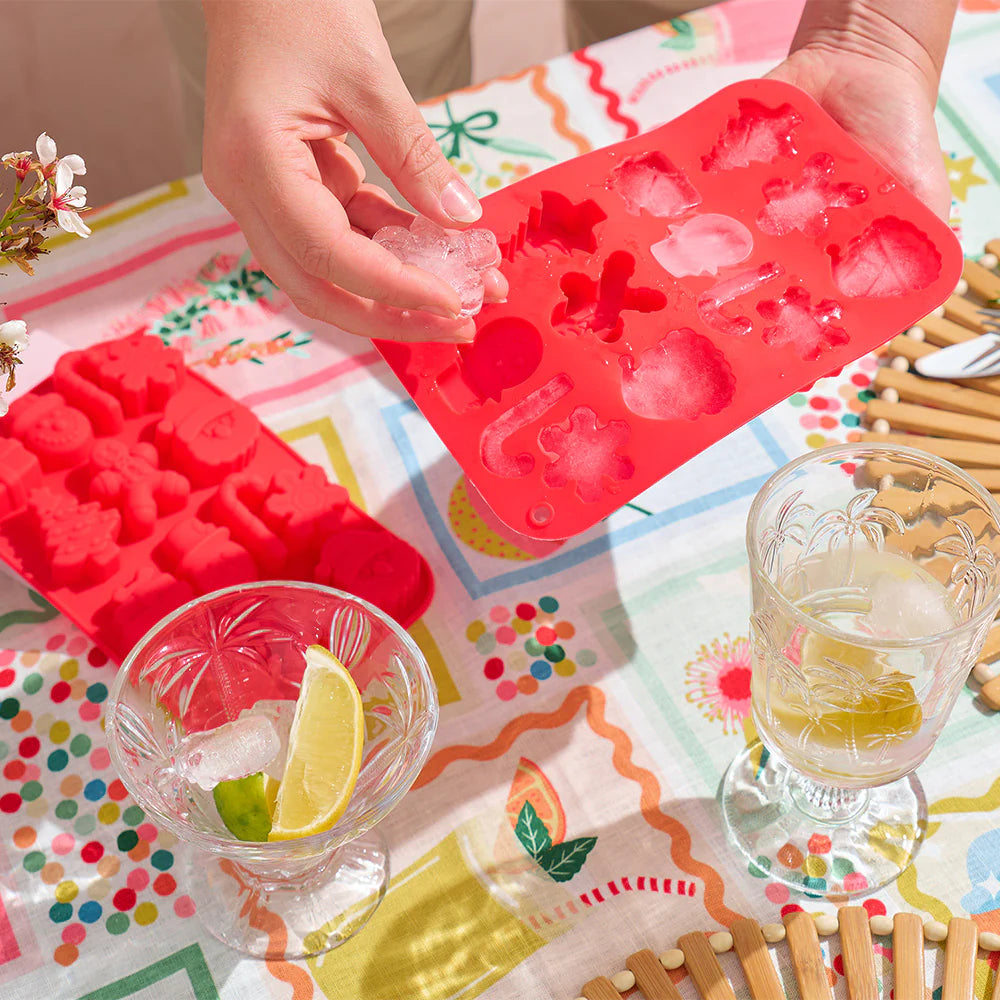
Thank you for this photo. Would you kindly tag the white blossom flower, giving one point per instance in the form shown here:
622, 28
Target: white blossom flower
14, 333
45, 147
21, 163
66, 202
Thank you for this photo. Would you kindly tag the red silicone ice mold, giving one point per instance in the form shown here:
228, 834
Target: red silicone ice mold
665, 291
129, 485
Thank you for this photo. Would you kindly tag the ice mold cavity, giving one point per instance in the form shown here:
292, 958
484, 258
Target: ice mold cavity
129, 485
665, 291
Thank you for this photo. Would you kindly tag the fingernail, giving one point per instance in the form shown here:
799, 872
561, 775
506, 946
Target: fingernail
459, 203
440, 311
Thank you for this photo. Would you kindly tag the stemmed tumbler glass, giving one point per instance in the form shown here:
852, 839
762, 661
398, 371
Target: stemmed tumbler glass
221, 654
874, 574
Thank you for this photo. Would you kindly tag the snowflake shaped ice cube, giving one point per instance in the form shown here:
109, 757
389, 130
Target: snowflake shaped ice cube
455, 257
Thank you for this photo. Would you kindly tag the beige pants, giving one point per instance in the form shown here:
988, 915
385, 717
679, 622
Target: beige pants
429, 39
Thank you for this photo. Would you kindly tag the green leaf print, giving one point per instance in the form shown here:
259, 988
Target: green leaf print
562, 861
684, 38
531, 831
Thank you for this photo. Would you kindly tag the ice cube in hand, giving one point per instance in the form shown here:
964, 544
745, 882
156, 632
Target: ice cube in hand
454, 257
280, 712
909, 608
234, 750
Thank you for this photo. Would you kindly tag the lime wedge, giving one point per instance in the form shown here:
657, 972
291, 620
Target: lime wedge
243, 805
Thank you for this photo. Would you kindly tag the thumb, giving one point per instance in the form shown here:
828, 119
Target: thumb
399, 141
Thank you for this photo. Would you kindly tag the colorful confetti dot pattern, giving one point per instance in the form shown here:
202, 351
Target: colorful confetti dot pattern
527, 646
105, 869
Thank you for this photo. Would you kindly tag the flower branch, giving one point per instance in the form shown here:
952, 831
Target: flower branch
44, 195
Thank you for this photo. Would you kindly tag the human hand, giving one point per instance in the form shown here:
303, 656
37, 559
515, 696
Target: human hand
287, 80
876, 73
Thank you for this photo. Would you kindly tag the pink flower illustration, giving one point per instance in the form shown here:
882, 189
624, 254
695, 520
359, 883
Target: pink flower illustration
718, 681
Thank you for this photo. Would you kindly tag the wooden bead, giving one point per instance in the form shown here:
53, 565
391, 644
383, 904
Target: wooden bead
990, 694
721, 942
935, 931
881, 426
962, 288
773, 933
673, 959
916, 333
983, 672
889, 394
881, 925
939, 312
623, 981
989, 941
899, 363
827, 924
989, 260
886, 483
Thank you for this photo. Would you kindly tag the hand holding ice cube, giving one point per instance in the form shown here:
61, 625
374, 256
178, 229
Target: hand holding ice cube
286, 82
466, 260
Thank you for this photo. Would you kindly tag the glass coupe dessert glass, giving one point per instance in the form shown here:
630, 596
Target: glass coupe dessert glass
874, 574
218, 656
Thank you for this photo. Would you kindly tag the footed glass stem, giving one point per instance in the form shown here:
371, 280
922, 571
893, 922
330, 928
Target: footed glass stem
816, 839
278, 913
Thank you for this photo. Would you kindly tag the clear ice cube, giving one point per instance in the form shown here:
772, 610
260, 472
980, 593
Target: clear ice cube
908, 608
234, 750
454, 257
280, 713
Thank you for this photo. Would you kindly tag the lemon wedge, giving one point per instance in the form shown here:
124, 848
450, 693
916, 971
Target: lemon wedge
324, 750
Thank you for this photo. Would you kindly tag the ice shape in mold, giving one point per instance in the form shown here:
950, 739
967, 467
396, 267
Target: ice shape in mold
204, 555
650, 181
506, 352
218, 437
20, 473
455, 257
596, 306
375, 565
80, 539
682, 377
710, 303
58, 434
587, 454
129, 479
522, 413
804, 205
557, 224
703, 245
758, 134
811, 329
891, 257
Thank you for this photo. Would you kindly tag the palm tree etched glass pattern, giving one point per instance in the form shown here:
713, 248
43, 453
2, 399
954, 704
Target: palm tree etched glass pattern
875, 576
210, 660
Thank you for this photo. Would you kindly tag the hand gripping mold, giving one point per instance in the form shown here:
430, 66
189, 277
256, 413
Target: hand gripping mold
666, 290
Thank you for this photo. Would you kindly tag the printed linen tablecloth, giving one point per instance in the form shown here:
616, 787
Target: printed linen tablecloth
606, 683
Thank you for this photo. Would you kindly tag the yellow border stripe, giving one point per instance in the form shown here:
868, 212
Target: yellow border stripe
446, 689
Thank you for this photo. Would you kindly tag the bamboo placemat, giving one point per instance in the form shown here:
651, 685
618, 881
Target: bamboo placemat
648, 975
956, 420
